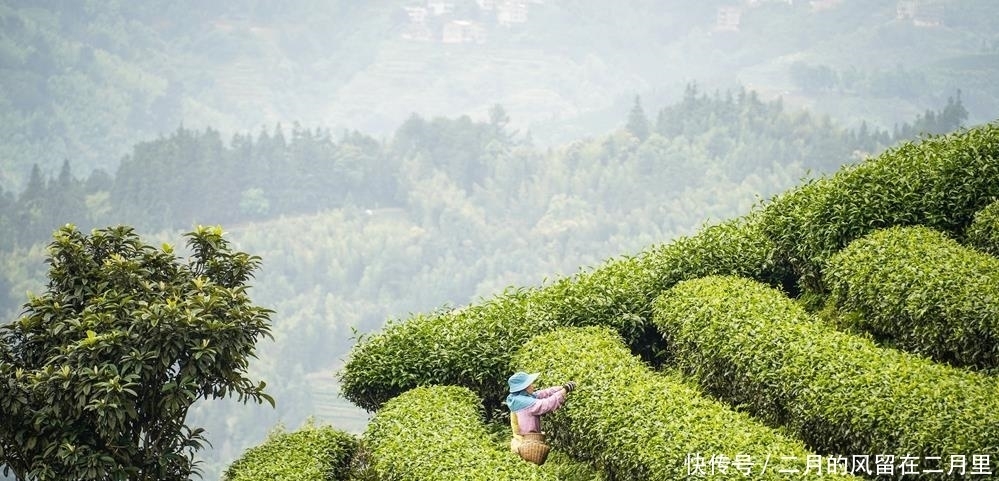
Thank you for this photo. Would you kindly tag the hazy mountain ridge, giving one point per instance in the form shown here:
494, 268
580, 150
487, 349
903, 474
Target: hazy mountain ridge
77, 73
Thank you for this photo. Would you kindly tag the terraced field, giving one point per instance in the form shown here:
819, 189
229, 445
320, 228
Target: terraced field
533, 85
845, 327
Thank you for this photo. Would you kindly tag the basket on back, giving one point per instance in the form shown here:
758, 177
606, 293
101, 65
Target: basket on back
534, 448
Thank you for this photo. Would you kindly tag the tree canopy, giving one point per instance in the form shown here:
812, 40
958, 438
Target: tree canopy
101, 370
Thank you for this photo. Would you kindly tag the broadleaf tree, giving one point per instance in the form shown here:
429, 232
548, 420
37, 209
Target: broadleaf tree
99, 371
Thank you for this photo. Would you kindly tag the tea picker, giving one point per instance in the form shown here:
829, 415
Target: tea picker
527, 405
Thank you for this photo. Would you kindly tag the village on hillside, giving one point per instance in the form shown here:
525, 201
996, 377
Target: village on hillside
438, 20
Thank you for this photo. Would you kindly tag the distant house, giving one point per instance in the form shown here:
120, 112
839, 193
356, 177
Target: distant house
418, 32
463, 31
818, 5
417, 29
920, 13
929, 14
728, 19
416, 14
509, 12
440, 7
905, 9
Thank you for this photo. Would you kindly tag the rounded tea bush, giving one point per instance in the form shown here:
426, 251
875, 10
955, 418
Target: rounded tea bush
983, 233
436, 432
750, 345
922, 292
309, 454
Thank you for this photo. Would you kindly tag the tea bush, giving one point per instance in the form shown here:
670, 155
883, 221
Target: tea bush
636, 424
939, 182
472, 347
309, 454
983, 233
749, 344
922, 292
436, 432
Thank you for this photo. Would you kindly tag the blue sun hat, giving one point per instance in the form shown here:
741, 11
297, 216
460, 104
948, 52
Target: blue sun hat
520, 380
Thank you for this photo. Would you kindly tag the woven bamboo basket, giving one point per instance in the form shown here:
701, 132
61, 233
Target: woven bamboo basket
534, 448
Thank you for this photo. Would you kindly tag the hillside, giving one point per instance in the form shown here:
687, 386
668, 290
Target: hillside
764, 275
86, 81
347, 247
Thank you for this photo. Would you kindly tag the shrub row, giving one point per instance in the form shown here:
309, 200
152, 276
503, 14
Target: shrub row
309, 454
436, 432
983, 233
922, 292
750, 345
472, 347
636, 424
940, 182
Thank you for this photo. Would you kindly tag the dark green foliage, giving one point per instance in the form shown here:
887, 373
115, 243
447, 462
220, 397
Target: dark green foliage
753, 347
102, 368
636, 424
309, 454
436, 432
921, 291
939, 182
472, 347
983, 233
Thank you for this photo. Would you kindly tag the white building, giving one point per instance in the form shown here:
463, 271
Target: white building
509, 12
728, 19
416, 14
463, 31
818, 5
440, 7
920, 13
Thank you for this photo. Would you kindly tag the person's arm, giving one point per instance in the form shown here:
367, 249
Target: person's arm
547, 392
549, 403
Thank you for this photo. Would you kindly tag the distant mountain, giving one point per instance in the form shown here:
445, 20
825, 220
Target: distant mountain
86, 80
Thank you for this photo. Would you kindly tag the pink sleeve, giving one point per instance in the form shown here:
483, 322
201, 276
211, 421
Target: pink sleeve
549, 403
547, 392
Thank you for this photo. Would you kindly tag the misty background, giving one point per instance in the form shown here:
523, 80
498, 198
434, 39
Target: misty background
390, 157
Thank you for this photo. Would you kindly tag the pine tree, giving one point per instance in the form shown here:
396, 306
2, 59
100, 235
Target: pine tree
32, 209
638, 123
66, 199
